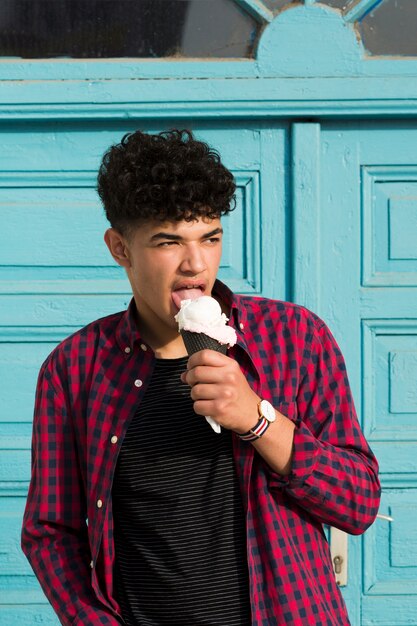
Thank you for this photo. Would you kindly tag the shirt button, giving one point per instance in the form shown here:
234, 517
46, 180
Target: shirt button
138, 383
114, 439
127, 350
143, 347
91, 564
99, 504
241, 326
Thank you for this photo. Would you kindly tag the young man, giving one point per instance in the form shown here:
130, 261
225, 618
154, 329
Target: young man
188, 527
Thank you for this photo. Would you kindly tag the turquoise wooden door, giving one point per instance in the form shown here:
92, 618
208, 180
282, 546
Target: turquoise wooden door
326, 218
60, 276
367, 220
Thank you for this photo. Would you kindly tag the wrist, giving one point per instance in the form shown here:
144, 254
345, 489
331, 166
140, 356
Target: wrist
266, 416
249, 418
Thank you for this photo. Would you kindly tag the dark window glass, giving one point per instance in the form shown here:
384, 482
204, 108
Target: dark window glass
276, 5
338, 4
391, 28
125, 28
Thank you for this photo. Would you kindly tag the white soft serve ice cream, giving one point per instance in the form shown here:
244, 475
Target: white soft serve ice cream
204, 315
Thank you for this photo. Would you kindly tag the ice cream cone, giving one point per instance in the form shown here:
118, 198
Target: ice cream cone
199, 341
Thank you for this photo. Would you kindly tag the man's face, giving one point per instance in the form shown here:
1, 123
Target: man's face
169, 262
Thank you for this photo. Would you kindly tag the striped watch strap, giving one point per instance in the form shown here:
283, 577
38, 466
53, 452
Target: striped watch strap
257, 431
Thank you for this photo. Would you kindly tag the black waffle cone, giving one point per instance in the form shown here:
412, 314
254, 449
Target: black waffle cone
199, 341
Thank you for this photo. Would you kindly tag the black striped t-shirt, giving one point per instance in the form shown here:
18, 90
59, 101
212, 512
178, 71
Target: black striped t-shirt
179, 524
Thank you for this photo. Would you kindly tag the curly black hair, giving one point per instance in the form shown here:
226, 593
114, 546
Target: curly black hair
169, 176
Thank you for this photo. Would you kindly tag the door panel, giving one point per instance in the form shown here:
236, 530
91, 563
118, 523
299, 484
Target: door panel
56, 275
368, 296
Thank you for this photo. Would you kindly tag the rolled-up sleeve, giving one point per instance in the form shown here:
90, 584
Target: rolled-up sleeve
334, 474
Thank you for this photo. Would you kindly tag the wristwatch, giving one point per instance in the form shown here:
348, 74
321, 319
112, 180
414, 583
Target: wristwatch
267, 415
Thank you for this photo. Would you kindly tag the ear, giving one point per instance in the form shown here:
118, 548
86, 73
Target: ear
118, 247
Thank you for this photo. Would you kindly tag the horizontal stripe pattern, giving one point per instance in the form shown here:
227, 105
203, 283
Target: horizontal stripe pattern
257, 431
179, 524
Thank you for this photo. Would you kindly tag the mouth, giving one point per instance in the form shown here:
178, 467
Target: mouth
187, 290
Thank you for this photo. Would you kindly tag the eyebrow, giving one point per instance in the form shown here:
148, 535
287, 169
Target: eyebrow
172, 237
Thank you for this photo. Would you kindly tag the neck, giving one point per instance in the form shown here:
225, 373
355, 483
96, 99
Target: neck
166, 343
172, 350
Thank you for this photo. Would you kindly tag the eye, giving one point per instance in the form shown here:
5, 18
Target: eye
166, 244
213, 240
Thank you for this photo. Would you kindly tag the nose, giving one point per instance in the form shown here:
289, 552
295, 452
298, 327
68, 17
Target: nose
193, 261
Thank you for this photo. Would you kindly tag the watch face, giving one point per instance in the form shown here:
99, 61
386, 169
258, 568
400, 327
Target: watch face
268, 411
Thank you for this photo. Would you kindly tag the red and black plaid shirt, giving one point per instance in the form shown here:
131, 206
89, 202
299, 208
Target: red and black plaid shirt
89, 389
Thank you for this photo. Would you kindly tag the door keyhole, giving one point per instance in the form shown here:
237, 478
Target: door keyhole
338, 561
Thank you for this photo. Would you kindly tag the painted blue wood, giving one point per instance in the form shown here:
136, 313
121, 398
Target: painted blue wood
56, 275
66, 260
191, 99
305, 170
366, 260
326, 216
390, 212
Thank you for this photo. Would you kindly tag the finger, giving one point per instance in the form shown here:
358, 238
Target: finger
204, 407
204, 392
207, 357
204, 374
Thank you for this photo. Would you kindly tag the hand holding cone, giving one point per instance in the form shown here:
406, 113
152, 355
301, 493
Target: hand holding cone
203, 327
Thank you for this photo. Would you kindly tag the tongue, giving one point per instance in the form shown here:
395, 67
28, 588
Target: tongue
185, 294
